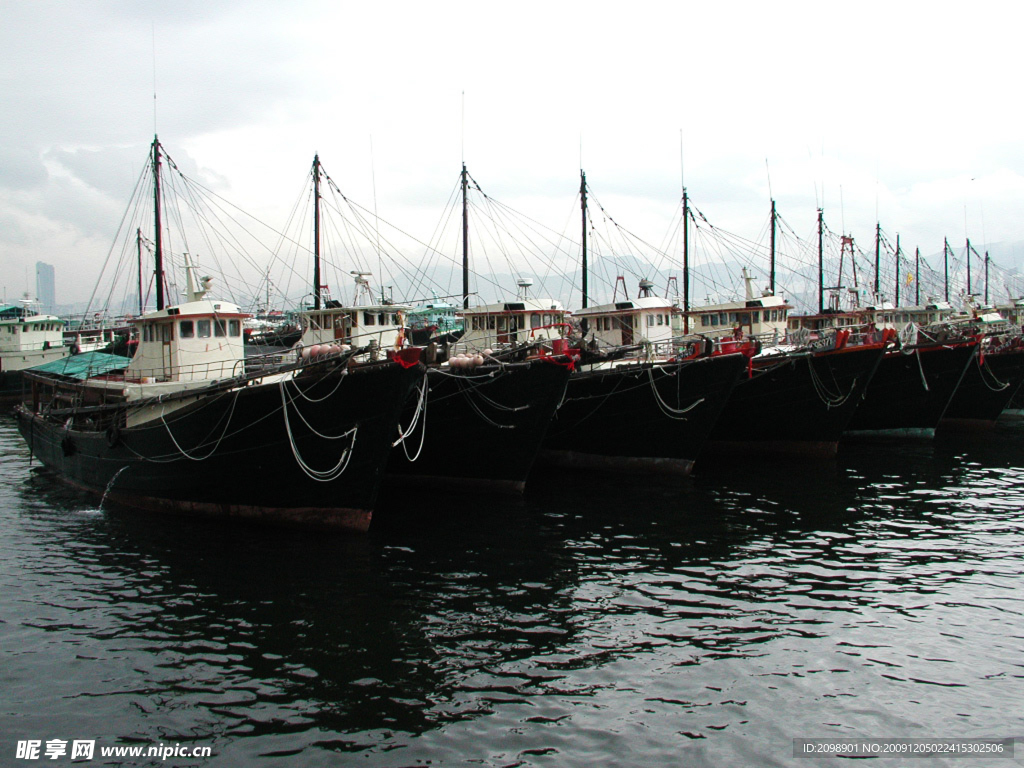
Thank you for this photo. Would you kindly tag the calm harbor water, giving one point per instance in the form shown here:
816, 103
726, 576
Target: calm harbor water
597, 621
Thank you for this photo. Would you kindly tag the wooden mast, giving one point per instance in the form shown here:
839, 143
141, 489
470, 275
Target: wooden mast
583, 249
465, 241
138, 255
686, 261
917, 276
945, 264
896, 303
968, 266
878, 257
821, 263
316, 231
158, 240
986, 278
583, 215
771, 278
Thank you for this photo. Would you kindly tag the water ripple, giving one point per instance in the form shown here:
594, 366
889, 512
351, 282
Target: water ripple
704, 622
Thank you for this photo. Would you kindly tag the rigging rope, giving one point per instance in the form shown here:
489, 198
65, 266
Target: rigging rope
321, 476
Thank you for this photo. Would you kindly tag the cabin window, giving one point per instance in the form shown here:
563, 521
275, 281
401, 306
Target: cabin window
220, 327
650, 321
661, 319
166, 331
490, 322
203, 329
188, 329
607, 323
535, 320
547, 319
234, 328
395, 320
755, 317
501, 322
369, 318
475, 321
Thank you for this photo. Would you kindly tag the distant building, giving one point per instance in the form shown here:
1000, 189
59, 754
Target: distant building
45, 287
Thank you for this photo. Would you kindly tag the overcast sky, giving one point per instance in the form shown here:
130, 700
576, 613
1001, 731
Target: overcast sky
903, 112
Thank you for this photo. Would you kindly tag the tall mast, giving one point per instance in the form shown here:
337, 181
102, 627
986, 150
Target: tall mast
986, 278
158, 241
878, 256
771, 278
945, 264
821, 263
583, 216
896, 303
138, 249
917, 276
968, 266
465, 241
686, 261
316, 231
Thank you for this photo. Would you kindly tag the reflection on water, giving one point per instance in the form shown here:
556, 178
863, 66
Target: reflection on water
598, 621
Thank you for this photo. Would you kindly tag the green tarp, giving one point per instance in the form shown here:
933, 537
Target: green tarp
84, 365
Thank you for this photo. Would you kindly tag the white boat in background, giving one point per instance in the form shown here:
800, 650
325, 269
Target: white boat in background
27, 339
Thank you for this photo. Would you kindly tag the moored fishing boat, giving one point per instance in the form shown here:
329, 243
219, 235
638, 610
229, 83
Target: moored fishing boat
492, 387
27, 339
913, 388
490, 403
190, 425
992, 378
642, 400
796, 401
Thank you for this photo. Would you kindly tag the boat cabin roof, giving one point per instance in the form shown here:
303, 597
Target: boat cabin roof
654, 303
519, 306
201, 308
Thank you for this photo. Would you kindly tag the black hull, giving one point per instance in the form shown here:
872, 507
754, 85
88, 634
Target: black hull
481, 428
987, 388
643, 417
12, 388
237, 453
798, 406
910, 392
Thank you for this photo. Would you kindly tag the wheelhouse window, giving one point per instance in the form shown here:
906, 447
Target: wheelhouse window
203, 329
187, 328
220, 328
535, 320
369, 318
234, 328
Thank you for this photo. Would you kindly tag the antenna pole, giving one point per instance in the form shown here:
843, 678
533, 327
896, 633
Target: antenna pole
878, 258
